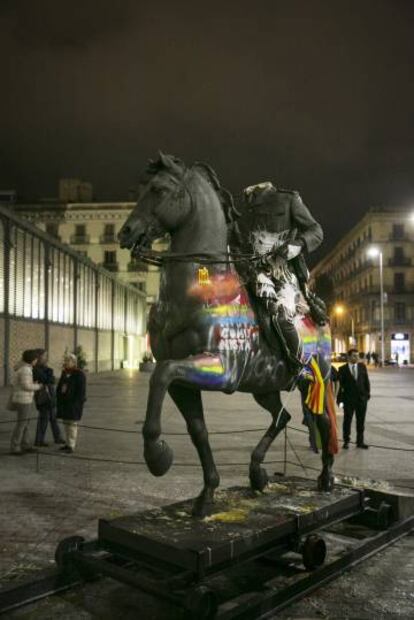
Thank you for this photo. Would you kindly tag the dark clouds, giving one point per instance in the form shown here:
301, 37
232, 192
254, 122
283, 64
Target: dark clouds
314, 94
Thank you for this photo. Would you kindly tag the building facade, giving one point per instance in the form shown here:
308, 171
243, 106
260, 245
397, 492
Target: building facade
91, 229
350, 274
53, 298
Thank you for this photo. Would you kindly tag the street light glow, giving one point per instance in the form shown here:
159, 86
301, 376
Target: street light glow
339, 309
373, 252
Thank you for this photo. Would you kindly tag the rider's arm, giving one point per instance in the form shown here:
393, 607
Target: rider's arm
309, 231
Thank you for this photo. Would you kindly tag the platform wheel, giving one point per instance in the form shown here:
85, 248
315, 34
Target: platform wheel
313, 552
201, 602
65, 547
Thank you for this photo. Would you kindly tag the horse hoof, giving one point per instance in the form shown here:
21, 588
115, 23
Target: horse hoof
326, 483
203, 505
159, 457
258, 478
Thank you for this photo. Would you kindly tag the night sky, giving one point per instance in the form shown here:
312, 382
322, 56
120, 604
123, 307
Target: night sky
316, 95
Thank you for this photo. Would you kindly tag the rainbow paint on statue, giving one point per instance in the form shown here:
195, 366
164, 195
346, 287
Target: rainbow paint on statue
208, 372
315, 339
229, 317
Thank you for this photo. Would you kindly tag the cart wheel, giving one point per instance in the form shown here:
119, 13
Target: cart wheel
65, 546
201, 602
313, 552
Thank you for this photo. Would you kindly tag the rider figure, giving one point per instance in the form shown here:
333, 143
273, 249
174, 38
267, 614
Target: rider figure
275, 223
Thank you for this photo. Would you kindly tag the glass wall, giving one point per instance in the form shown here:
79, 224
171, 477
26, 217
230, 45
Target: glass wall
35, 262
27, 275
1, 267
104, 302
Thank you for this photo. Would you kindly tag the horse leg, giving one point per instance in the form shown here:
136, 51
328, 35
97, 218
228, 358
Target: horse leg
272, 403
191, 371
157, 453
190, 406
326, 477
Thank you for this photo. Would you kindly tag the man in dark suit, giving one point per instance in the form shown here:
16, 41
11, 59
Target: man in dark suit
354, 393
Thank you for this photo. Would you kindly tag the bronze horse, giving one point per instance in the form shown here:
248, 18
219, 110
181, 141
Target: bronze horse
204, 333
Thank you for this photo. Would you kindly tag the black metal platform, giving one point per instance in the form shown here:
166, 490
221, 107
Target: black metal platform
255, 555
243, 525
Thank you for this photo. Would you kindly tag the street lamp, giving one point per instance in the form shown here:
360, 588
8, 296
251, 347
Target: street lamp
339, 310
373, 253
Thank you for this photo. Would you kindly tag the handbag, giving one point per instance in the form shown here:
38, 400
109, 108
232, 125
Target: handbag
42, 397
11, 406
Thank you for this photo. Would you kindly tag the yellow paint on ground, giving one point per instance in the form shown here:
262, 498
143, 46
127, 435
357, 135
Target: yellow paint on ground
231, 516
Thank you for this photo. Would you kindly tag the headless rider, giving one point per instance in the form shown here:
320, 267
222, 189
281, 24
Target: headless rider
275, 223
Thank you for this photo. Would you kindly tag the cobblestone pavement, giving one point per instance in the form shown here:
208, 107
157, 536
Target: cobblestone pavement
48, 496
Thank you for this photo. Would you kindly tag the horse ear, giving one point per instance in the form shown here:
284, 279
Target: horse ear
163, 159
171, 163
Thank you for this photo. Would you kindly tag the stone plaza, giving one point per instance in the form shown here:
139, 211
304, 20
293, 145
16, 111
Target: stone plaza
48, 496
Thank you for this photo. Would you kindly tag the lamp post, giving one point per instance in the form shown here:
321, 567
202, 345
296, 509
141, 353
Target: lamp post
373, 253
339, 311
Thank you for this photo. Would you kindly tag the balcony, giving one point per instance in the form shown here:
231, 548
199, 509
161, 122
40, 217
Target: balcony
79, 239
398, 237
137, 266
110, 266
401, 261
108, 238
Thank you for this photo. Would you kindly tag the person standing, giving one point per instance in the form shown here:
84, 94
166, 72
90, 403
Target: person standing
70, 398
45, 400
354, 393
22, 401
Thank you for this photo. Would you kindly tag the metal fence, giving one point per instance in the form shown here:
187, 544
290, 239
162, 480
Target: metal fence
44, 281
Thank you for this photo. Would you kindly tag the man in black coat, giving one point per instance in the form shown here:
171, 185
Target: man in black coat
354, 393
45, 400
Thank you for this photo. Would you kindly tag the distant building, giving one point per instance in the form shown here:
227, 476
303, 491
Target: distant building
7, 197
91, 229
350, 280
75, 190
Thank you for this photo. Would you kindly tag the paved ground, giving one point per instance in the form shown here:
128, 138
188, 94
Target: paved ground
48, 497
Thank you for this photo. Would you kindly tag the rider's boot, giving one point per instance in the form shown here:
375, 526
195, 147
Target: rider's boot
288, 336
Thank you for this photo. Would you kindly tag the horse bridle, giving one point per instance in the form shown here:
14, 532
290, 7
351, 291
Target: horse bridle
153, 257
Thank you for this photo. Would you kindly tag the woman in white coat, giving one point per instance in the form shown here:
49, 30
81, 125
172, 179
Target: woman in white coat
22, 401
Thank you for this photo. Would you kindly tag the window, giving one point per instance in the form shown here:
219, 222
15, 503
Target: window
110, 230
86, 296
119, 303
398, 231
399, 282
110, 257
1, 267
399, 311
105, 303
398, 253
26, 286
53, 230
80, 230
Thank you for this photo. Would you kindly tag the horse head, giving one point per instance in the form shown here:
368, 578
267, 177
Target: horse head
163, 204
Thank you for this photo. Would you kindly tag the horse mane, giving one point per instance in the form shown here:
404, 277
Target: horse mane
177, 167
226, 199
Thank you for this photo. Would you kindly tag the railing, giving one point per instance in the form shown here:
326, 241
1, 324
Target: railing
402, 261
108, 238
137, 266
79, 239
397, 237
110, 266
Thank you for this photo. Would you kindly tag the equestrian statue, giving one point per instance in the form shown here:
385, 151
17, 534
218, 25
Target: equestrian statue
234, 310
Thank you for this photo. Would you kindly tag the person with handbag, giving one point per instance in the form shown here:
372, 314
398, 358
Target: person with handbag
45, 400
21, 401
70, 398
